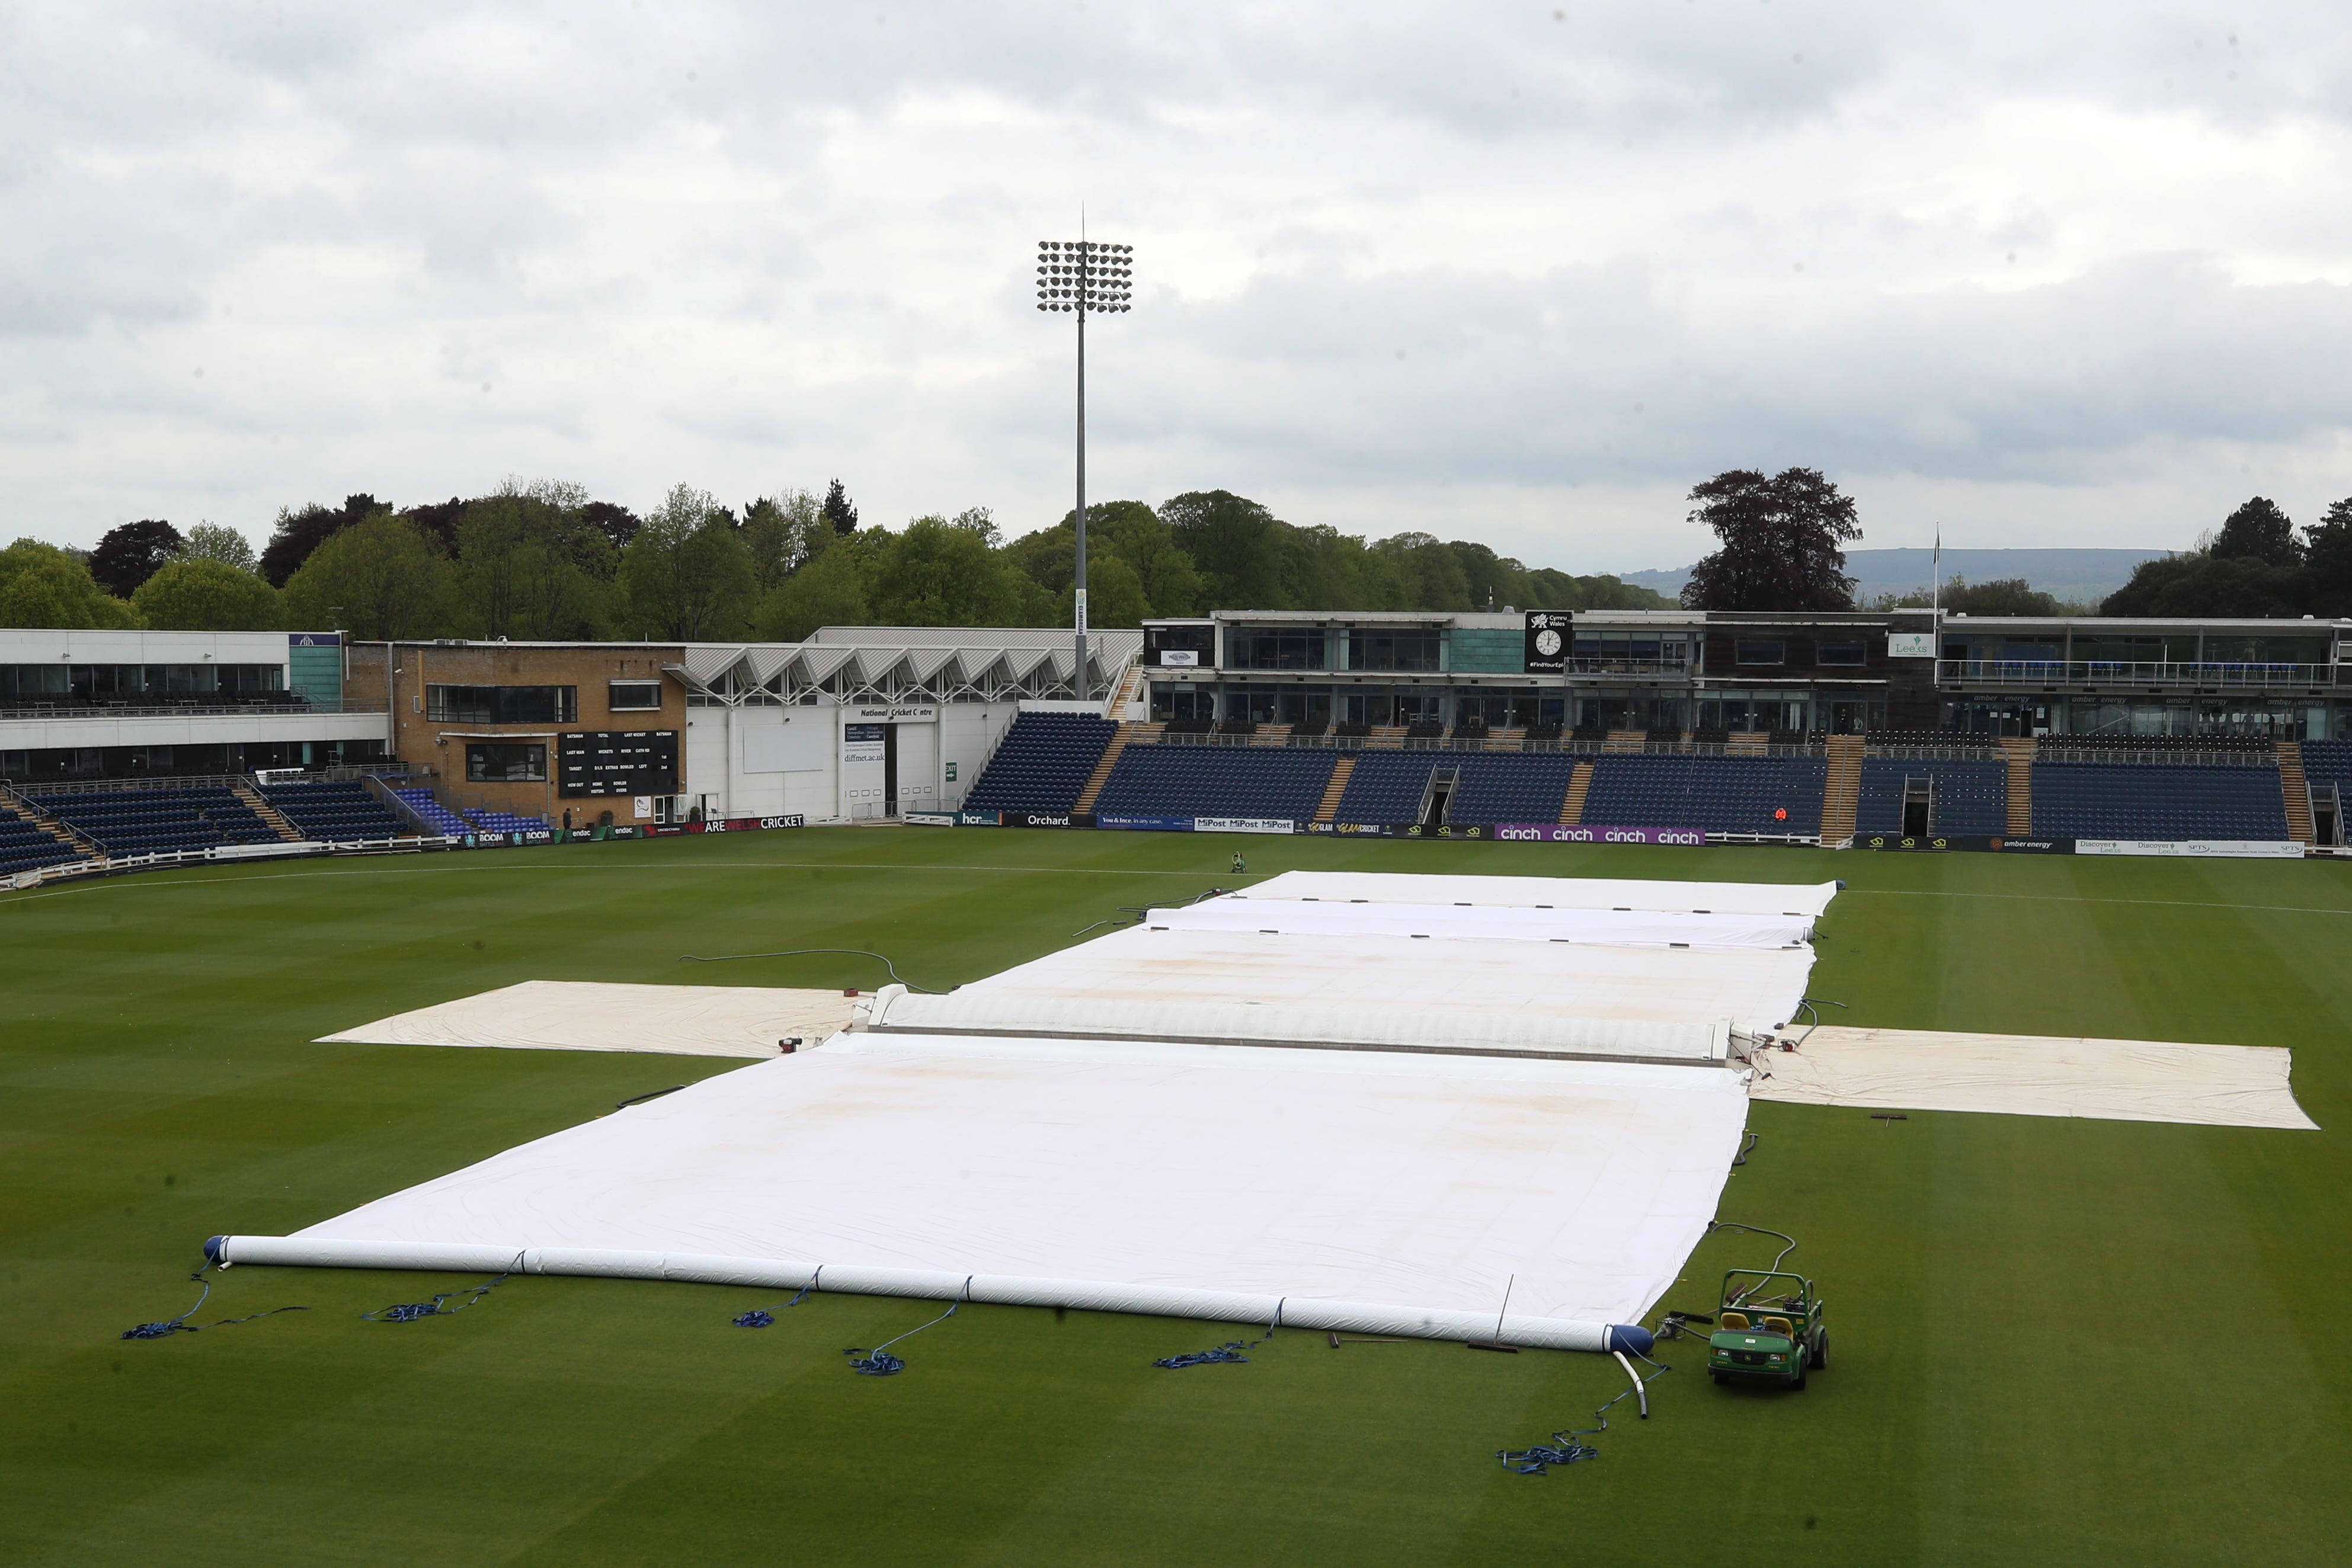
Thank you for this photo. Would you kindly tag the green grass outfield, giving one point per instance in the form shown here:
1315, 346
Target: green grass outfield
2055, 1341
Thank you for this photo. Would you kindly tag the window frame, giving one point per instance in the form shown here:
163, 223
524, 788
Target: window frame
613, 703
476, 762
1740, 648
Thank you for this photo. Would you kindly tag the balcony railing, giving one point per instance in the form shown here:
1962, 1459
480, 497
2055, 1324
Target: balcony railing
177, 708
1601, 665
2037, 672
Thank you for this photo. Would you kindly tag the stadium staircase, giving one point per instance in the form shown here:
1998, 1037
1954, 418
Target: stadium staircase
1572, 805
1626, 741
1341, 772
1747, 745
1841, 794
50, 823
1101, 775
271, 817
1130, 691
2017, 751
2298, 790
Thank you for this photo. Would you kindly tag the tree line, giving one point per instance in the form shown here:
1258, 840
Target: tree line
1782, 549
544, 561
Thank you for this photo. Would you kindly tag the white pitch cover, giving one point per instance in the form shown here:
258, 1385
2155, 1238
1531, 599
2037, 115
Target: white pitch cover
1397, 1189
1400, 1193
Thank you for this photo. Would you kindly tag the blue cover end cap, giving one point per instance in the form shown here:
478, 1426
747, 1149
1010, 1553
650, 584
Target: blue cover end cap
1841, 886
1631, 1337
214, 1247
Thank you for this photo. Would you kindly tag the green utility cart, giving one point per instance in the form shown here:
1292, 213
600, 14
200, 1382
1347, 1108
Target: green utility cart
1767, 1339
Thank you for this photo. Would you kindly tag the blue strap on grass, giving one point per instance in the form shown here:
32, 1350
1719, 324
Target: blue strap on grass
1230, 1351
412, 1311
180, 1325
879, 1362
1564, 1449
760, 1318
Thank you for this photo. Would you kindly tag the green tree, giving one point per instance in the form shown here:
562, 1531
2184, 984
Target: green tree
379, 579
2258, 531
837, 509
1236, 545
936, 573
217, 542
299, 533
130, 552
1429, 572
783, 533
2198, 583
201, 595
1781, 539
41, 585
1551, 590
830, 591
2327, 569
530, 563
686, 576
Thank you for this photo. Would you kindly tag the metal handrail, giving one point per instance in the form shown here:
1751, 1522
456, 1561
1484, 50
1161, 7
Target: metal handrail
191, 709
2092, 671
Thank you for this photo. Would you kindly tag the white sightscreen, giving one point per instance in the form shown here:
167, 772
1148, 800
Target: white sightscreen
1383, 1191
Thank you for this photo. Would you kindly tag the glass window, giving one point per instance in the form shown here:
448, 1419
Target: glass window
496, 762
1413, 650
1844, 653
502, 704
1760, 650
1274, 648
631, 696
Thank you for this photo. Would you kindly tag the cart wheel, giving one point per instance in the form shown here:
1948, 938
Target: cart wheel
1820, 1348
1798, 1385
1719, 1377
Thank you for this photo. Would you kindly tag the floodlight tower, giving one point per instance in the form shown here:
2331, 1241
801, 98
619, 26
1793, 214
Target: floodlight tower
1084, 277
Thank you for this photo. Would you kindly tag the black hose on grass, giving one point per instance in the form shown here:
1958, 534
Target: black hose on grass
804, 952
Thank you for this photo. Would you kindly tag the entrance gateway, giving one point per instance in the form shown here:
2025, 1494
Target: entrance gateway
889, 759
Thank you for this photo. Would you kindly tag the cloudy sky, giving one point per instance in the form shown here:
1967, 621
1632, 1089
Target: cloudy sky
2074, 274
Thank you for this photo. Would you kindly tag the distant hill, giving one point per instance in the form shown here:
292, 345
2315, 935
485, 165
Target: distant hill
2082, 575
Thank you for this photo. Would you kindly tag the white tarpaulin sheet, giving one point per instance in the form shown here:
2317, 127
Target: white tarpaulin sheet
1378, 1192
1294, 917
582, 1016
2120, 1081
1479, 982
1550, 892
1360, 1027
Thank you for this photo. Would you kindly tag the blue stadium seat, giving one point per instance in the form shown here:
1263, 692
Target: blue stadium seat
1717, 793
1972, 794
1043, 764
340, 813
2157, 801
1270, 782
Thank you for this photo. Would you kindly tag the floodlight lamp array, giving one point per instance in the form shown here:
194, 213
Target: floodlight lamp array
1088, 276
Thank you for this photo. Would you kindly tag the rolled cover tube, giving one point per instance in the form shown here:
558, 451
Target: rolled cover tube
930, 1284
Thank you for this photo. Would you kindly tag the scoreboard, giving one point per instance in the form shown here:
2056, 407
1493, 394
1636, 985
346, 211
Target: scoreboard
618, 761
